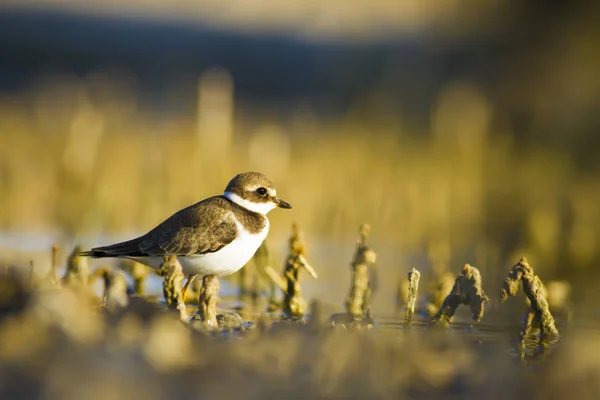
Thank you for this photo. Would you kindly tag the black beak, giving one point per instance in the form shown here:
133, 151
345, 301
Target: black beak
282, 204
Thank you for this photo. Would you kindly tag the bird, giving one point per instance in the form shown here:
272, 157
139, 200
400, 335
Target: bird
215, 236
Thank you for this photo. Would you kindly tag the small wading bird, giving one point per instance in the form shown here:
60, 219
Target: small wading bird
216, 236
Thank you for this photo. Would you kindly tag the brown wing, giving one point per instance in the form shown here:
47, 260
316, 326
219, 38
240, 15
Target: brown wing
189, 234
198, 229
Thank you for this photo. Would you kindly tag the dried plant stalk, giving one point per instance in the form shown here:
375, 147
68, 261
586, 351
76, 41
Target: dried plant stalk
413, 287
52, 276
115, 287
116, 292
467, 290
172, 274
357, 301
277, 280
139, 273
539, 311
207, 301
293, 304
77, 269
262, 262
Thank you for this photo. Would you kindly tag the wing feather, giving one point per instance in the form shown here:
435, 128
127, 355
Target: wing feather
193, 230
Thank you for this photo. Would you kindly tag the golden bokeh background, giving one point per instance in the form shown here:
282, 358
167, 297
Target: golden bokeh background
460, 132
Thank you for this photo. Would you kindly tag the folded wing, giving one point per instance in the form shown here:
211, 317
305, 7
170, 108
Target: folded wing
189, 231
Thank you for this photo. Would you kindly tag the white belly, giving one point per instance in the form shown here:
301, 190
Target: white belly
226, 261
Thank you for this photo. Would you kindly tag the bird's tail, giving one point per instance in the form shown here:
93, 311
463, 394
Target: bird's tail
93, 253
123, 249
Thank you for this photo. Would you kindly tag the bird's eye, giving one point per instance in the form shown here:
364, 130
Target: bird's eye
261, 191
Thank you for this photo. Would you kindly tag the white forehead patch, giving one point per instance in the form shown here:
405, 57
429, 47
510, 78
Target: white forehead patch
261, 208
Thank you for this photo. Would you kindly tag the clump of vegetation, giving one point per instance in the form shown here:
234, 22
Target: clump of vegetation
357, 301
207, 301
262, 262
52, 277
114, 295
77, 269
172, 275
467, 290
413, 287
253, 280
294, 304
538, 315
139, 274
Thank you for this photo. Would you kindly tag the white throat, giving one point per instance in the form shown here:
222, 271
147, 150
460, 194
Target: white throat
261, 208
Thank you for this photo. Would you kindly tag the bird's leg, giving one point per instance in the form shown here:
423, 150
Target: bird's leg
207, 300
184, 290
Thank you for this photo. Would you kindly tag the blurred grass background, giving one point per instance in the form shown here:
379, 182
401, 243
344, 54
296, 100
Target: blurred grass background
459, 132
